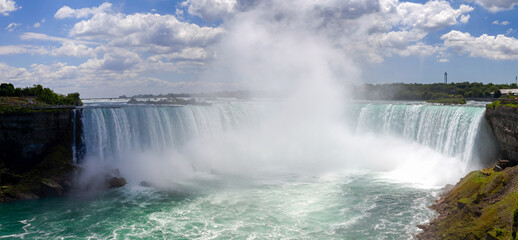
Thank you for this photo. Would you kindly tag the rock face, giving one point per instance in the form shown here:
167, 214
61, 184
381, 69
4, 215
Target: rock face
27, 137
36, 152
504, 123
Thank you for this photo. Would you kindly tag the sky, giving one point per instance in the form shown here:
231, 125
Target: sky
111, 48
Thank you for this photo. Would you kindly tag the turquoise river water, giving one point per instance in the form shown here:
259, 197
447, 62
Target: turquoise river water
224, 171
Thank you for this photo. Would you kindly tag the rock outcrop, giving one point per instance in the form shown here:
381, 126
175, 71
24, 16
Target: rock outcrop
504, 123
36, 152
480, 206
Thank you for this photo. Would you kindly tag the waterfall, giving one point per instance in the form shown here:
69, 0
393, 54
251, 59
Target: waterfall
110, 132
457, 131
155, 143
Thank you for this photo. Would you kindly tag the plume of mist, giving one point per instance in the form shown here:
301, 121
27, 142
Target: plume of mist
275, 46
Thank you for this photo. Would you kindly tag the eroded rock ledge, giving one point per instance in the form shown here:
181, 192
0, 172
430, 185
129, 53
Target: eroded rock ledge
504, 123
36, 152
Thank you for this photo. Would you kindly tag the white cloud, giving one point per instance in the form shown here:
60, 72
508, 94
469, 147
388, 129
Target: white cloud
117, 59
72, 49
38, 24
67, 12
21, 49
45, 37
120, 48
184, 54
432, 15
497, 47
504, 23
12, 26
210, 10
151, 31
464, 19
7, 6
497, 5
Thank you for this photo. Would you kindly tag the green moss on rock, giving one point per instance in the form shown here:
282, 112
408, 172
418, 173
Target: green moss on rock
478, 207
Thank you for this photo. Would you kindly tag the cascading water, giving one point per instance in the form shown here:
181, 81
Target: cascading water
227, 170
116, 132
110, 132
456, 131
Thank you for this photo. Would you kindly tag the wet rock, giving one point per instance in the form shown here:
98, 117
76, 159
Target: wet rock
116, 182
145, 184
21, 195
51, 188
423, 226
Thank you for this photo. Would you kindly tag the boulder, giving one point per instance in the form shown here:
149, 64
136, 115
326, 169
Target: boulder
51, 188
145, 184
116, 182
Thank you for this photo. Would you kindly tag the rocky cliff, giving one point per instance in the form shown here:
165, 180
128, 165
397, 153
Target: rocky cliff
483, 205
36, 152
504, 123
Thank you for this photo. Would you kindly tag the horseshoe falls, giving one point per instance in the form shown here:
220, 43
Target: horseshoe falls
231, 171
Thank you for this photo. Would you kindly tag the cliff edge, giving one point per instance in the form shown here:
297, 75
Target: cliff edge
504, 123
36, 152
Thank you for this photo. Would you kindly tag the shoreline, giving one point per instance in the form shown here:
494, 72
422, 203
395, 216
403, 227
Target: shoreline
482, 205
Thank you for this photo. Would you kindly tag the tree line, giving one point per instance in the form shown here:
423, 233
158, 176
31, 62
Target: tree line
41, 94
417, 91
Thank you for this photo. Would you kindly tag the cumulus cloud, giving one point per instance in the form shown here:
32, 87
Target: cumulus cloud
67, 12
497, 47
184, 54
116, 59
128, 47
7, 6
145, 30
210, 10
432, 15
497, 5
72, 49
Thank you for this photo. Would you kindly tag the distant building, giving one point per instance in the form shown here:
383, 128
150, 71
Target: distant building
445, 77
509, 91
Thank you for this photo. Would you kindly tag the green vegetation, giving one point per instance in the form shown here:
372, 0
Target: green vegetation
448, 101
482, 204
503, 102
424, 92
40, 95
33, 99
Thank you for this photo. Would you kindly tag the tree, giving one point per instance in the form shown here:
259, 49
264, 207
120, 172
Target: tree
497, 94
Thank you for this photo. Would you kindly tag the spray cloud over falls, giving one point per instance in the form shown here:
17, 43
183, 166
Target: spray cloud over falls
274, 46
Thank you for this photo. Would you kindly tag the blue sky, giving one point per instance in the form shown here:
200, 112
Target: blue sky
110, 48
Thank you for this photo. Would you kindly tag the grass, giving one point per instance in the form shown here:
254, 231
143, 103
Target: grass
15, 105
